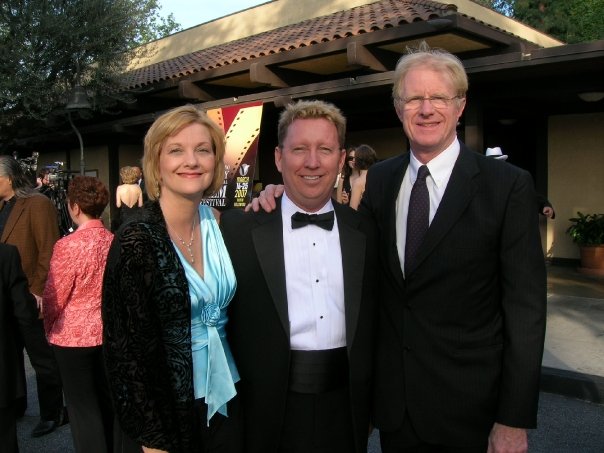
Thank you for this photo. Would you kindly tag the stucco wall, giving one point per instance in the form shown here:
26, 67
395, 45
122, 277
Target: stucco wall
131, 155
386, 142
575, 175
95, 158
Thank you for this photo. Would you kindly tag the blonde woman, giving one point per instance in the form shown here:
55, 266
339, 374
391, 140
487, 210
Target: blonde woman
167, 284
128, 195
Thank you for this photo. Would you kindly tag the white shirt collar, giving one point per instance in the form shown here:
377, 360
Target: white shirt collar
440, 167
289, 208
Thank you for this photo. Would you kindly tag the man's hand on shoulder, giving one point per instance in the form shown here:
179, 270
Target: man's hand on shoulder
266, 199
507, 439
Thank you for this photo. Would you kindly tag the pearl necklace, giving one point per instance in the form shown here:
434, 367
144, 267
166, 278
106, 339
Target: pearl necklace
190, 244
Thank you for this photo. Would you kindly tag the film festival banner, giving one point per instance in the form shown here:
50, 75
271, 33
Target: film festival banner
241, 125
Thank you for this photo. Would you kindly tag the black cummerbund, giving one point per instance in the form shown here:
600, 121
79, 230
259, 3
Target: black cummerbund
318, 371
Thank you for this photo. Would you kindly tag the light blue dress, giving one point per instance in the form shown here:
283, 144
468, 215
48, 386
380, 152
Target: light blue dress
214, 370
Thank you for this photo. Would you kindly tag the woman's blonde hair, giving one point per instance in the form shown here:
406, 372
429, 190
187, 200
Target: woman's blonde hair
129, 175
169, 124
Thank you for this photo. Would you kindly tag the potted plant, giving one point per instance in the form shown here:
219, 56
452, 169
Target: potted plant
587, 231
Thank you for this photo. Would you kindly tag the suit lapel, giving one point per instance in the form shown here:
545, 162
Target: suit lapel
268, 243
16, 212
352, 245
391, 191
460, 191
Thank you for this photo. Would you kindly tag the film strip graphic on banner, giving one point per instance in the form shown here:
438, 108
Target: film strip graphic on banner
241, 124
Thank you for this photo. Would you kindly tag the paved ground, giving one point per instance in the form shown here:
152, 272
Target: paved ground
573, 366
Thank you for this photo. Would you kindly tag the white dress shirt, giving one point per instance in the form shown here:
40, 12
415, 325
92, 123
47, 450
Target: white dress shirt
440, 171
314, 281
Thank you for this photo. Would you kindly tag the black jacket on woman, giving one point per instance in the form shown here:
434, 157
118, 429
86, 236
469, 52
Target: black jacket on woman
147, 335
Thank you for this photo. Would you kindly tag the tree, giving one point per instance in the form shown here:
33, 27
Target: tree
49, 46
569, 21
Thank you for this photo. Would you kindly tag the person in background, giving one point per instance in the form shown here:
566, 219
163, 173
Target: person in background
128, 195
17, 313
141, 182
365, 157
302, 322
544, 207
166, 288
350, 174
72, 315
43, 182
28, 220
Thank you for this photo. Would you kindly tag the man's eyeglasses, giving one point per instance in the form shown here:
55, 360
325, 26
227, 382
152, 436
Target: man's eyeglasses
415, 102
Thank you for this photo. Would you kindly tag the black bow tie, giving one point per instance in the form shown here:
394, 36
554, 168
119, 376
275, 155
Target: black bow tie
325, 221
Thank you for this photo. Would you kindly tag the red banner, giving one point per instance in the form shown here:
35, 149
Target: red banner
241, 125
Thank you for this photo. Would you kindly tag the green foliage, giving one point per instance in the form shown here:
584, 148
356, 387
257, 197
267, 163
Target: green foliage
49, 46
587, 229
569, 21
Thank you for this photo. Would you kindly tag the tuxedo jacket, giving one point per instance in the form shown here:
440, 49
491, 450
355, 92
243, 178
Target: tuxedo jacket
258, 328
460, 339
32, 226
17, 311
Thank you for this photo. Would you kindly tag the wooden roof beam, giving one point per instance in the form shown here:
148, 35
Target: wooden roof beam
260, 73
189, 90
359, 55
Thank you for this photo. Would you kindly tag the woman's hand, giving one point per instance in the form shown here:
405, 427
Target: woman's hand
345, 198
153, 450
266, 198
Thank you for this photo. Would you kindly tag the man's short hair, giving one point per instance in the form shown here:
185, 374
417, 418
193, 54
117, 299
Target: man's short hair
432, 58
312, 109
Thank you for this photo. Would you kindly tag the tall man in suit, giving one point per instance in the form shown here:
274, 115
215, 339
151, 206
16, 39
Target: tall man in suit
17, 312
463, 310
301, 325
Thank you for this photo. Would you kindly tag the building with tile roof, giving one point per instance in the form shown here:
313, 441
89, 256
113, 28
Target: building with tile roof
526, 95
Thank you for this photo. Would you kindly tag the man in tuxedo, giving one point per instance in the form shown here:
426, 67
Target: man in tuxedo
301, 325
463, 311
17, 312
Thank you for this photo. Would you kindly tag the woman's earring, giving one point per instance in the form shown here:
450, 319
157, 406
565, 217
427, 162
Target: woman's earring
157, 191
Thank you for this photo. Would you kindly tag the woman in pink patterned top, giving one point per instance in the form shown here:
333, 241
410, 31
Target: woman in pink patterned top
72, 315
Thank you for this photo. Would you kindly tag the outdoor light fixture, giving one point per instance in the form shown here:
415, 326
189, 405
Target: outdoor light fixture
591, 96
78, 100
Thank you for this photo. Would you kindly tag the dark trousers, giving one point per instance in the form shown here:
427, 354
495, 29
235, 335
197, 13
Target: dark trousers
87, 397
318, 423
406, 440
48, 380
8, 430
223, 435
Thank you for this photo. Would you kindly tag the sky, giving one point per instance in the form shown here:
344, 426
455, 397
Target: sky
189, 13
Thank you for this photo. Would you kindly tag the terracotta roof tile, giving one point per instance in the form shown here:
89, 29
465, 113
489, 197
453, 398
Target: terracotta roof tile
362, 19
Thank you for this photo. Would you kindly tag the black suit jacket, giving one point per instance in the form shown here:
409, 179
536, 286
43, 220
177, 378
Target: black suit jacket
258, 328
460, 340
17, 310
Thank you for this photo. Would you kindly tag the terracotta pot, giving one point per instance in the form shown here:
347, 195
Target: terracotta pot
592, 260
